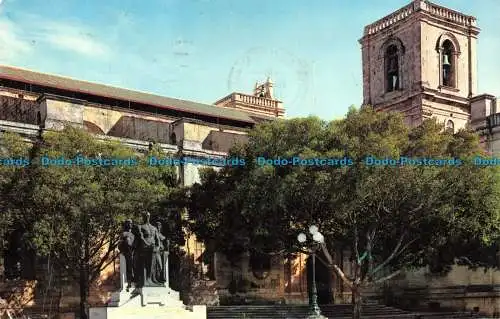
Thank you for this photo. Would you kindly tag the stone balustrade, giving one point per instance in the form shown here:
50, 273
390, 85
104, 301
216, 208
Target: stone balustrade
451, 15
389, 20
250, 100
255, 100
420, 5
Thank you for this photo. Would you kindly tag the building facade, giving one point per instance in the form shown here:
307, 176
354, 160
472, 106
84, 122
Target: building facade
32, 102
421, 60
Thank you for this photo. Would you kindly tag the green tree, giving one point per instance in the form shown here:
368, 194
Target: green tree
246, 207
391, 218
411, 216
76, 211
13, 150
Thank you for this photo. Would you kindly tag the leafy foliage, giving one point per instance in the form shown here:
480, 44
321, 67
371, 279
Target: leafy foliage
74, 213
390, 217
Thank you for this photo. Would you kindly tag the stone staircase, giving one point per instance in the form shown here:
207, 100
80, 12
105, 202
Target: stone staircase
329, 311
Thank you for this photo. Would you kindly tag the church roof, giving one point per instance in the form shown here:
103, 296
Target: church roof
106, 91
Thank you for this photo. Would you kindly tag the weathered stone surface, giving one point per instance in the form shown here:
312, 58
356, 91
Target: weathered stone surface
155, 302
418, 30
138, 312
18, 110
150, 296
203, 293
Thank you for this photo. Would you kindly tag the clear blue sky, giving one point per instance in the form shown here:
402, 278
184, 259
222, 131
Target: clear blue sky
201, 50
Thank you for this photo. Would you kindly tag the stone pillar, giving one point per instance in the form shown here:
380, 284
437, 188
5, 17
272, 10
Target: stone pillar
56, 112
123, 272
482, 106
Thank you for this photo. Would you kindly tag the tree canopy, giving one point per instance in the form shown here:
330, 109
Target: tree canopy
73, 214
390, 217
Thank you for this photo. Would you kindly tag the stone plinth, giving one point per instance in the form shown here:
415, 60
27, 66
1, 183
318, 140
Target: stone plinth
198, 312
155, 302
146, 302
161, 296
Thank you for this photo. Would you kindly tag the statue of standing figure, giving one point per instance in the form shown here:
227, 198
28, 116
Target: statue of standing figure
127, 248
144, 251
161, 258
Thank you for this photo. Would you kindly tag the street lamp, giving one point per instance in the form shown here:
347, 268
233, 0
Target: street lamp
317, 240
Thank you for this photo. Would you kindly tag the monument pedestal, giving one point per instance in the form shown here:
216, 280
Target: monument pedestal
147, 296
154, 302
146, 303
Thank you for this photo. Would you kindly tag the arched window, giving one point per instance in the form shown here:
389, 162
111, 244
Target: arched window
450, 126
448, 64
392, 68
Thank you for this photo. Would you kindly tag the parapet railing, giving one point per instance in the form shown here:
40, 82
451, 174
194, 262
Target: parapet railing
415, 6
250, 99
390, 19
493, 120
451, 15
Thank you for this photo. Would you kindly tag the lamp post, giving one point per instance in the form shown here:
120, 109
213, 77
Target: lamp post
317, 240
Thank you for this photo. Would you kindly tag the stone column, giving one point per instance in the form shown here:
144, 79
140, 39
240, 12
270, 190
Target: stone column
123, 272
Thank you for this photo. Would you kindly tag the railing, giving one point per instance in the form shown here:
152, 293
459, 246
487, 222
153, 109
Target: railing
250, 100
493, 120
390, 19
452, 15
256, 100
415, 6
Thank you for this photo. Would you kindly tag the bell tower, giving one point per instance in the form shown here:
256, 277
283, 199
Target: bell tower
421, 60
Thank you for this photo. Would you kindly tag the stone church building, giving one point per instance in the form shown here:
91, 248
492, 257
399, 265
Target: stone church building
420, 60
32, 102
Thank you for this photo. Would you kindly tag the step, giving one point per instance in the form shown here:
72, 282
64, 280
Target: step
329, 311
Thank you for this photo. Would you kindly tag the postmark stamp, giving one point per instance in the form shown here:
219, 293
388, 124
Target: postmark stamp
292, 76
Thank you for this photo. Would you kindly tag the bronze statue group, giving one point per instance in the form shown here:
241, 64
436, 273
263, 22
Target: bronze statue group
145, 250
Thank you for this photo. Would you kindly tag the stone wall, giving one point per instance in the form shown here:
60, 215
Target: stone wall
418, 31
444, 113
431, 32
274, 278
462, 288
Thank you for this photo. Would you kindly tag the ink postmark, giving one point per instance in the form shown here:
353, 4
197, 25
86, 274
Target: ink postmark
292, 76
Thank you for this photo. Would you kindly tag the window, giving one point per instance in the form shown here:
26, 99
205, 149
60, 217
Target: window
392, 68
448, 64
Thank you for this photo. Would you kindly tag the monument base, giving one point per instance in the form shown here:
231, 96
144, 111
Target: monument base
146, 296
147, 303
